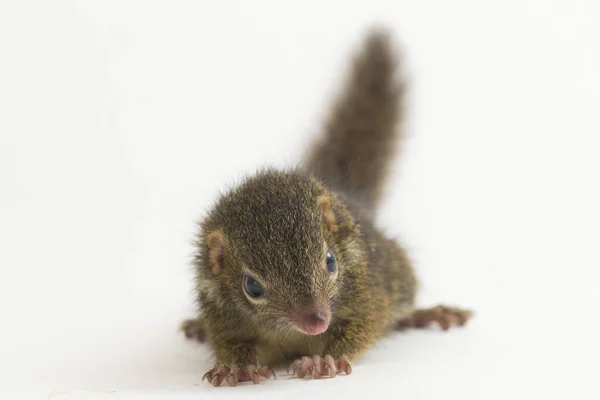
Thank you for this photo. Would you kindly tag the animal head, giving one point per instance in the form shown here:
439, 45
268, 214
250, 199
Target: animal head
277, 247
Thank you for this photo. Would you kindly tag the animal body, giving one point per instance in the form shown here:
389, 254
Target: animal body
290, 266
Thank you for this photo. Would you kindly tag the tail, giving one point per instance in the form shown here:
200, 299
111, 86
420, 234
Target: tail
360, 138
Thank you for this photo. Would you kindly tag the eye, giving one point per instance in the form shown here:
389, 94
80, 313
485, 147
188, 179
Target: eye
253, 287
331, 263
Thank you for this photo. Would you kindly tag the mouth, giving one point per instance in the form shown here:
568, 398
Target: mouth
312, 322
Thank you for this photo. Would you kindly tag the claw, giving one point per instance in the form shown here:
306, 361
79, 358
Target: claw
273, 372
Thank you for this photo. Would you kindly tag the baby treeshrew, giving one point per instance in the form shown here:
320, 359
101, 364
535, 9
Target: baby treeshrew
290, 267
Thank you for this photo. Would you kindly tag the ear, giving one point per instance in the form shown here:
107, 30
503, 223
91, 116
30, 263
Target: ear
215, 241
329, 219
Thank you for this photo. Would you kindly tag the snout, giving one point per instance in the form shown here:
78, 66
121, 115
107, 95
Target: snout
313, 321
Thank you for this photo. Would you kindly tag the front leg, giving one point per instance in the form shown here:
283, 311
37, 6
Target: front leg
237, 363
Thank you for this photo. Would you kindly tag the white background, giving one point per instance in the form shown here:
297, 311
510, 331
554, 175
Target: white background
120, 121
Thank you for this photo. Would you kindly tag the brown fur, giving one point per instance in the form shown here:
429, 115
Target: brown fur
361, 135
277, 226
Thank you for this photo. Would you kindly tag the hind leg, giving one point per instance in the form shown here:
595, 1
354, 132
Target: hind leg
194, 329
444, 316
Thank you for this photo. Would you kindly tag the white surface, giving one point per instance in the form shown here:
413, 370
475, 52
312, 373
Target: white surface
120, 121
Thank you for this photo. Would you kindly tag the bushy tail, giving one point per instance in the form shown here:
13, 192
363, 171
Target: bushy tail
354, 153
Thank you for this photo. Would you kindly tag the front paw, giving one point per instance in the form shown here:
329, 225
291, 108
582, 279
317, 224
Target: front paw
234, 374
319, 367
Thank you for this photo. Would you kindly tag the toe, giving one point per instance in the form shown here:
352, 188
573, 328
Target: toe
463, 316
444, 322
233, 376
221, 373
317, 367
253, 373
209, 376
305, 365
294, 367
217, 379
344, 365
330, 367
267, 372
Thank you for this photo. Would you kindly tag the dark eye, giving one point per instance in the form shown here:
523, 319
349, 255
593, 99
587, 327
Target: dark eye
331, 263
253, 287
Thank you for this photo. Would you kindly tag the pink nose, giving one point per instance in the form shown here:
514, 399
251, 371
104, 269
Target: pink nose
316, 322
